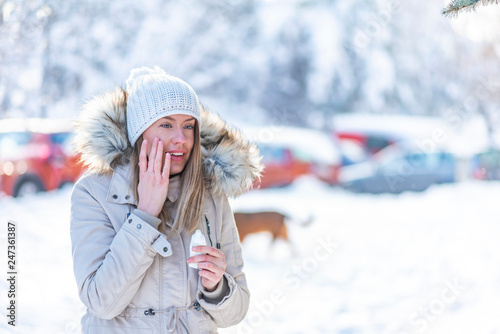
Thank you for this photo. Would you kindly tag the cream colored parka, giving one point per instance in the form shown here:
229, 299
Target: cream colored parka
131, 274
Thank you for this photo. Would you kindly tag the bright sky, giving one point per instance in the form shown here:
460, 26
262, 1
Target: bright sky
480, 25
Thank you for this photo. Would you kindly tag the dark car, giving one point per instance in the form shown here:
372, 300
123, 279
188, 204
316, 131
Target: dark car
35, 155
398, 168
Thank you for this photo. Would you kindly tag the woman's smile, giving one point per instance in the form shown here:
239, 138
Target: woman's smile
177, 155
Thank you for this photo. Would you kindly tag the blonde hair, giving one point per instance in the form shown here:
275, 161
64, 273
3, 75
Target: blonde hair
189, 203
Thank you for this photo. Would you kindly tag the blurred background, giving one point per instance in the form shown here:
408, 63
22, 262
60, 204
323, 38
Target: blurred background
377, 121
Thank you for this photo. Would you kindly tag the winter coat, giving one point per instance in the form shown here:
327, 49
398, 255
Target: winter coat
132, 277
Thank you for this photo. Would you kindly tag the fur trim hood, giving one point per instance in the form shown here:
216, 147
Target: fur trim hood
230, 162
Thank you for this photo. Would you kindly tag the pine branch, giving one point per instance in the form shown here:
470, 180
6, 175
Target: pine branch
457, 6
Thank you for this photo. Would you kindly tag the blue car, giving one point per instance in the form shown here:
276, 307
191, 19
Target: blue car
396, 170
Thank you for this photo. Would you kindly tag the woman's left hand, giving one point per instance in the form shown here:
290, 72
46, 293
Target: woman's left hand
212, 265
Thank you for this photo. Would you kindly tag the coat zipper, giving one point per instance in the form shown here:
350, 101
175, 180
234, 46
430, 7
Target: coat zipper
160, 288
184, 272
208, 233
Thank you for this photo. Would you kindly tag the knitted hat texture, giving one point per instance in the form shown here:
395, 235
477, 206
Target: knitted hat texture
153, 94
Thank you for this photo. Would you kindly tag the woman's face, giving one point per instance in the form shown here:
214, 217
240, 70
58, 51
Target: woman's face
177, 134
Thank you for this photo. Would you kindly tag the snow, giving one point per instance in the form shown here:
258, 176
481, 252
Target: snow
414, 263
473, 137
396, 126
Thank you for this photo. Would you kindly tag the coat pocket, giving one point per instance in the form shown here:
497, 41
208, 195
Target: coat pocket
118, 330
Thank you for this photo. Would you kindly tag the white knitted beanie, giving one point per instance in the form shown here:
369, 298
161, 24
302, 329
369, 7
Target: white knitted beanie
153, 94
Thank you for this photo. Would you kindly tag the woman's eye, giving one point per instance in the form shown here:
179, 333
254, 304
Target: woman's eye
189, 126
166, 125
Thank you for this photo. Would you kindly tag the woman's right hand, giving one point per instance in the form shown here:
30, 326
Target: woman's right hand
153, 180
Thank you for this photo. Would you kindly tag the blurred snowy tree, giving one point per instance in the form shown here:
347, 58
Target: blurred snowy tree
21, 24
83, 42
288, 67
299, 60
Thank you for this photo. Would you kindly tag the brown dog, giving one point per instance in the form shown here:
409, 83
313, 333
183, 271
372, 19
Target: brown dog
268, 221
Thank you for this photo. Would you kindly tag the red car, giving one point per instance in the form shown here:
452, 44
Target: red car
281, 167
35, 155
289, 152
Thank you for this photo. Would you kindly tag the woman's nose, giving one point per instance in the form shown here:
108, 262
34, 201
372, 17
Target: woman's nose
179, 137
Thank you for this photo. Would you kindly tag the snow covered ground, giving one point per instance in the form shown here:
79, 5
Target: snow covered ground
414, 263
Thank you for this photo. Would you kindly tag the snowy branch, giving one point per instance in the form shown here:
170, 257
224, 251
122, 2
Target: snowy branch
457, 6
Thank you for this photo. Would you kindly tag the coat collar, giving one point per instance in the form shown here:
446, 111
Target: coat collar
119, 190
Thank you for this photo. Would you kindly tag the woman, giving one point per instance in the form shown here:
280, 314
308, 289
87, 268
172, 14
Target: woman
155, 176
